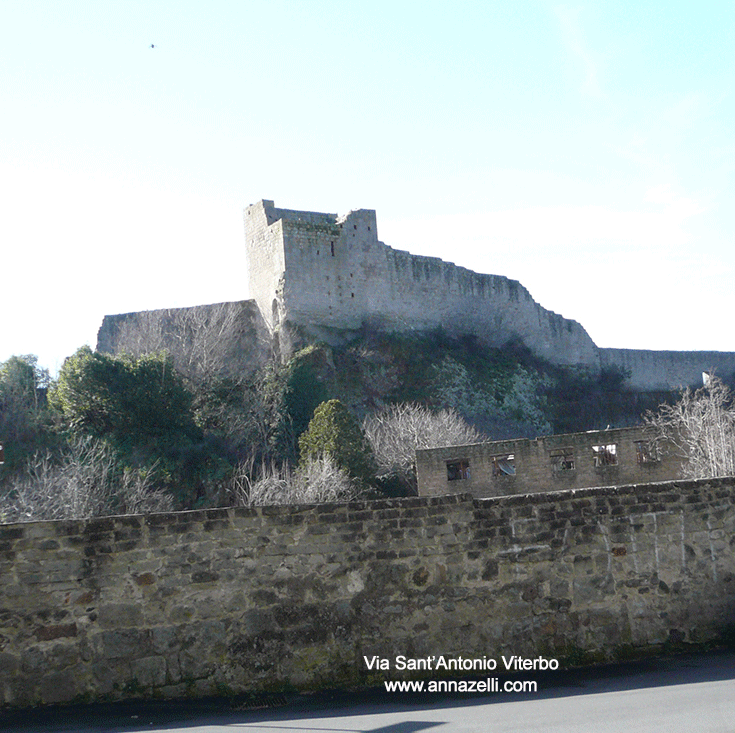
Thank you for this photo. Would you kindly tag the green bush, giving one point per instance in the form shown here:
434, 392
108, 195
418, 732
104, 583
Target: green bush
333, 431
126, 397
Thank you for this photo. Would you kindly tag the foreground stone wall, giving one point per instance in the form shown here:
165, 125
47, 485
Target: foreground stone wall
233, 600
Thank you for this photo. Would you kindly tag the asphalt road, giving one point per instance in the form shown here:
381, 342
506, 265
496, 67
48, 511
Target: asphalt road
676, 694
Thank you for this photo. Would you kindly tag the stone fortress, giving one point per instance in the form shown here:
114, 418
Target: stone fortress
323, 276
243, 600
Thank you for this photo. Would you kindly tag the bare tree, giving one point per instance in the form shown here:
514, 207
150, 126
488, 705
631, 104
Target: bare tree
316, 481
140, 333
396, 432
86, 482
203, 338
204, 341
699, 429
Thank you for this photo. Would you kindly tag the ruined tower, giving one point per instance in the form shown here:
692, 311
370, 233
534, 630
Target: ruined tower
327, 274
322, 277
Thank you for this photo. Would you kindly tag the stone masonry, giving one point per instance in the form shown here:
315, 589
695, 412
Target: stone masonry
315, 276
309, 269
547, 463
291, 598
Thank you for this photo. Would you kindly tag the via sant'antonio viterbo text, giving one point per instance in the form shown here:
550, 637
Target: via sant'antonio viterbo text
512, 663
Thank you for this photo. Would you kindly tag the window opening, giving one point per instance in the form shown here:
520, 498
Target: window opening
332, 246
605, 455
504, 465
562, 459
645, 452
458, 470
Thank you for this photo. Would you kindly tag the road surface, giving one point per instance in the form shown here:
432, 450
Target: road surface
678, 694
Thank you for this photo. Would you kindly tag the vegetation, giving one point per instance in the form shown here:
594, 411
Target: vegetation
699, 429
23, 412
397, 431
127, 398
334, 432
86, 481
144, 430
316, 481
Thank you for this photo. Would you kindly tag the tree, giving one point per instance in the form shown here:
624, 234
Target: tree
205, 342
126, 397
86, 481
22, 408
398, 431
333, 431
699, 429
141, 407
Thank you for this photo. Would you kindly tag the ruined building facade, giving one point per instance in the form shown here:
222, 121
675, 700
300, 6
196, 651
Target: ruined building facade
323, 276
548, 463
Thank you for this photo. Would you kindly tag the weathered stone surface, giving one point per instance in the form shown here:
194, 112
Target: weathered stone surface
259, 604
316, 276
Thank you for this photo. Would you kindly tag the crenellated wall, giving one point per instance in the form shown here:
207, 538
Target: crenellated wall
335, 273
274, 598
315, 276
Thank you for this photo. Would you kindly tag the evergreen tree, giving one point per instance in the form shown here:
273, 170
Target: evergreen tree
333, 431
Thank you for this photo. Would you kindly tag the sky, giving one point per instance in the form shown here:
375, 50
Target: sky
584, 149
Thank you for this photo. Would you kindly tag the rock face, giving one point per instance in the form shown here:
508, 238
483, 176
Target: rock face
317, 276
277, 598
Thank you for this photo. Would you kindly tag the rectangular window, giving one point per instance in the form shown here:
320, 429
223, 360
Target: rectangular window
645, 452
562, 459
458, 470
605, 455
504, 465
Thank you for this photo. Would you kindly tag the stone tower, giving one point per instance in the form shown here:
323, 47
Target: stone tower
330, 274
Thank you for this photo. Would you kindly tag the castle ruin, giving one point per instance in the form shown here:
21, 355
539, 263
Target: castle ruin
316, 276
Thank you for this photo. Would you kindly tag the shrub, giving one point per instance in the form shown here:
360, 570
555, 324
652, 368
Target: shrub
316, 481
396, 432
86, 482
333, 431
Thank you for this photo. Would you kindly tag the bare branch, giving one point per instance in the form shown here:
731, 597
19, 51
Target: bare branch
699, 429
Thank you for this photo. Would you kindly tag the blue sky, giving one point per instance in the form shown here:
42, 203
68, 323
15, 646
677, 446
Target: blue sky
585, 149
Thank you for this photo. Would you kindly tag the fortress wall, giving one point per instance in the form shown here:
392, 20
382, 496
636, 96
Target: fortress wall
226, 339
428, 292
266, 261
654, 370
232, 600
337, 274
